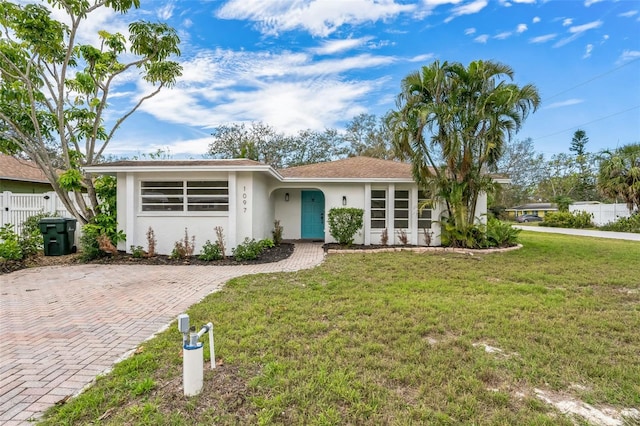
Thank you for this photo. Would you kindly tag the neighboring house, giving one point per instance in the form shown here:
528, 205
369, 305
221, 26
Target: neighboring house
539, 209
244, 197
22, 176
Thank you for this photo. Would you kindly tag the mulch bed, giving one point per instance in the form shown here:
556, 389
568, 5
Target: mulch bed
274, 254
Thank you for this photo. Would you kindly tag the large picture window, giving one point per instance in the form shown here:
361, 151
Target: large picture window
401, 209
378, 209
424, 214
192, 196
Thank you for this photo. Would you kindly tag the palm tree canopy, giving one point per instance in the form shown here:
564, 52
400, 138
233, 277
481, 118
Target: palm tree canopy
452, 122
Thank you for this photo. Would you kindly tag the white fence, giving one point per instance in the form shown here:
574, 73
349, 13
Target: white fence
16, 208
602, 213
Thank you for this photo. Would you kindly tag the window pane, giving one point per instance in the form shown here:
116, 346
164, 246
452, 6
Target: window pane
424, 223
402, 194
378, 214
208, 207
162, 191
401, 204
378, 193
162, 184
402, 214
378, 204
378, 224
208, 191
425, 214
162, 207
400, 223
208, 184
162, 200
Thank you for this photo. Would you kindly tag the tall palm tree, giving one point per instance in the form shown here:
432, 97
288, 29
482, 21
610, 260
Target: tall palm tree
452, 122
619, 175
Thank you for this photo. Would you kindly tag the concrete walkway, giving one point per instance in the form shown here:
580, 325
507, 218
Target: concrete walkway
582, 232
62, 326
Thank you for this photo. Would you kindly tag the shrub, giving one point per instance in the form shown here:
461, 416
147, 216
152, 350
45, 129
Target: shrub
501, 234
277, 232
578, 220
89, 242
185, 247
9, 244
210, 251
384, 237
31, 240
248, 250
266, 243
344, 223
471, 236
428, 236
402, 236
624, 224
138, 252
220, 240
151, 242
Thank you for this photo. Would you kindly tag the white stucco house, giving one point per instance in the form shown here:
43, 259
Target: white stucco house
244, 197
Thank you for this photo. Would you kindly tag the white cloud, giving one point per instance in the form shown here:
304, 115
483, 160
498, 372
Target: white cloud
561, 104
577, 31
330, 47
503, 35
567, 21
165, 12
536, 19
469, 31
543, 39
587, 51
481, 38
422, 58
588, 3
187, 23
628, 55
288, 90
319, 18
628, 14
522, 28
586, 27
467, 9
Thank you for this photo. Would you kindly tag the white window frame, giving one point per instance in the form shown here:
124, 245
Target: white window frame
187, 193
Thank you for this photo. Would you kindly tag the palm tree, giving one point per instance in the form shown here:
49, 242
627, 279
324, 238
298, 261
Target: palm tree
452, 122
619, 175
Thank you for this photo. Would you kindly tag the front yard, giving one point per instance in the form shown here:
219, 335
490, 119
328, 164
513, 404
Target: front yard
402, 338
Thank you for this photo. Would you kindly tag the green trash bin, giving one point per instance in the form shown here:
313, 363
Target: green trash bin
58, 234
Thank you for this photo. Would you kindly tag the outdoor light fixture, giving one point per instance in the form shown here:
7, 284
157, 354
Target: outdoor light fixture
344, 200
286, 196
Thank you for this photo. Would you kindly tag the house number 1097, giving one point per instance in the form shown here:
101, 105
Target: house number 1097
244, 198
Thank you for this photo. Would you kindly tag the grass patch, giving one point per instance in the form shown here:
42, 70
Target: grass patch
399, 338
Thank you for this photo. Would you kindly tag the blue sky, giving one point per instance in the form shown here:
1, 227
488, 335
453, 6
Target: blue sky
298, 64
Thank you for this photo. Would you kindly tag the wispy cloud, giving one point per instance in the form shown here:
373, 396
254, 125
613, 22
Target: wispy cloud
536, 19
543, 39
628, 55
561, 104
165, 12
467, 9
422, 58
503, 35
331, 47
567, 21
577, 31
522, 28
588, 3
587, 51
469, 31
629, 14
481, 38
319, 18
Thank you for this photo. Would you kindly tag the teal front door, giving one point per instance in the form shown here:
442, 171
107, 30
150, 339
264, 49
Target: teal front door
313, 215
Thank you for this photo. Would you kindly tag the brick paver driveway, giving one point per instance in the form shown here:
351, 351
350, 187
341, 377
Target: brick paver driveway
62, 326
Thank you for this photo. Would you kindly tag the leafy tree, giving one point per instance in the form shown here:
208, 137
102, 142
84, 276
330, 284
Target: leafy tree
462, 115
561, 178
525, 168
369, 136
261, 142
578, 142
619, 175
54, 91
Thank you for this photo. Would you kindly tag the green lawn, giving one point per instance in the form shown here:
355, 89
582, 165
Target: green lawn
397, 338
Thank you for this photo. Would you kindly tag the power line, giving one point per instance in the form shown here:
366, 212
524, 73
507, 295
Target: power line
588, 122
592, 79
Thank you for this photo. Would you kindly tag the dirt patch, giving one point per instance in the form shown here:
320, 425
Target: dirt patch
269, 255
